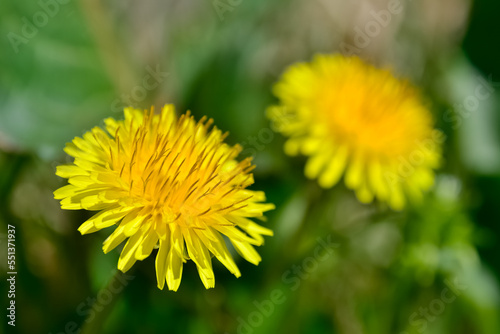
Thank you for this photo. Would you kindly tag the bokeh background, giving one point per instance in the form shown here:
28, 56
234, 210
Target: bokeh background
65, 65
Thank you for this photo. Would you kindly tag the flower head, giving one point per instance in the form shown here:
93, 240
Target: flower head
355, 120
166, 183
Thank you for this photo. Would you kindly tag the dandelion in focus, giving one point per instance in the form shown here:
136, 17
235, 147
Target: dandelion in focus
167, 183
354, 120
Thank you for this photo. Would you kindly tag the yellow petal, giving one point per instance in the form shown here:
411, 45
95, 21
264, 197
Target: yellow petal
134, 221
292, 147
257, 209
111, 125
67, 171
234, 234
354, 173
74, 151
127, 256
161, 263
174, 270
219, 249
335, 168
200, 255
116, 238
146, 246
66, 191
87, 227
177, 239
364, 194
315, 164
396, 197
81, 181
109, 217
246, 251
376, 180
250, 226
93, 202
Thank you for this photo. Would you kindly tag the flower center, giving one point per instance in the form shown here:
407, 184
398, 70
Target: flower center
378, 118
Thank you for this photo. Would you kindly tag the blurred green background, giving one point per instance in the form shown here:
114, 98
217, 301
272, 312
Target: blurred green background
433, 268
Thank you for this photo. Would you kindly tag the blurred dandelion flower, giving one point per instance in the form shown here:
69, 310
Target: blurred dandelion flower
166, 183
354, 119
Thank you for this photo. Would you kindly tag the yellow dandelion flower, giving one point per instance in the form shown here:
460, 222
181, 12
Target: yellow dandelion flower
166, 183
355, 120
